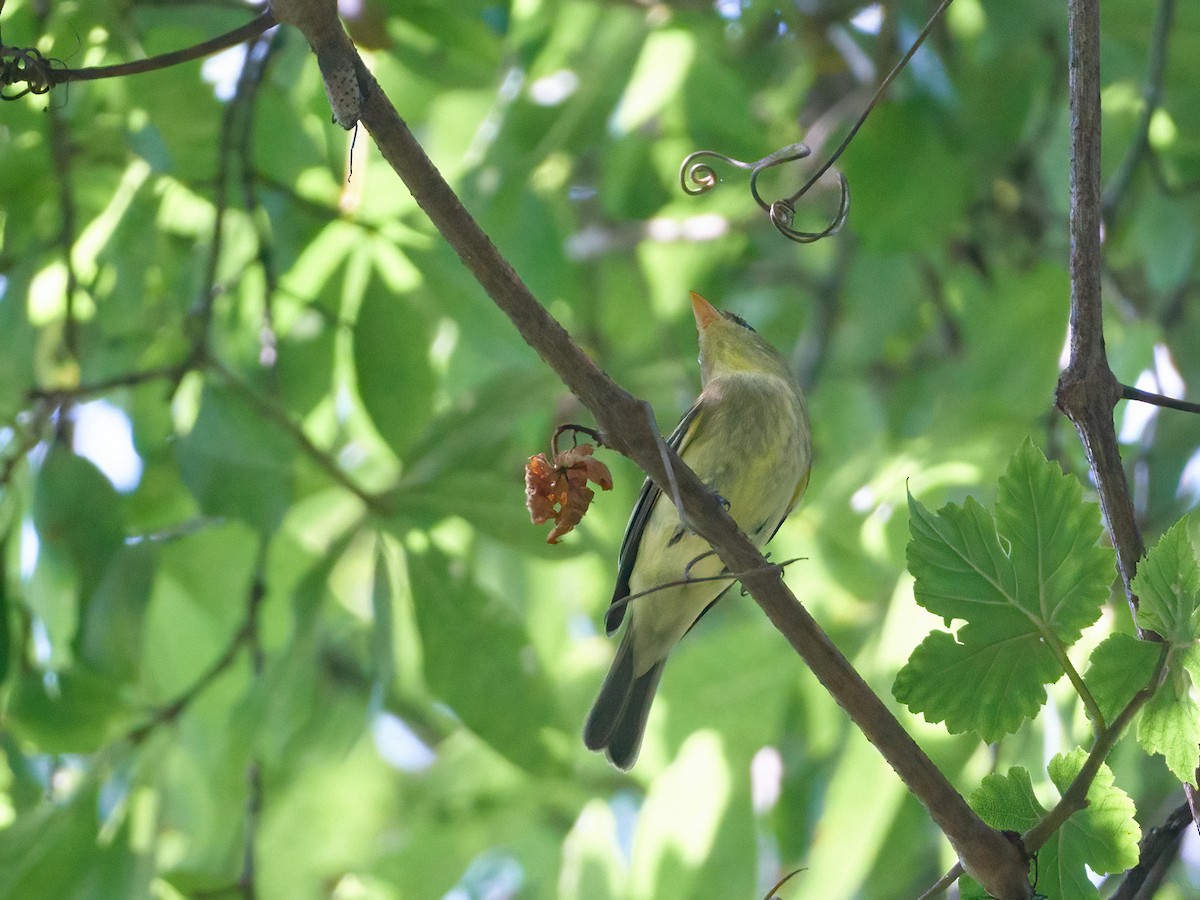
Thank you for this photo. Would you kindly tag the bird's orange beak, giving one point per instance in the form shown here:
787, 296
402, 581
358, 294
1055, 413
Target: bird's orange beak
704, 311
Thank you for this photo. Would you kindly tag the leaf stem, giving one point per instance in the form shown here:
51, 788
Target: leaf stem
1074, 798
1099, 724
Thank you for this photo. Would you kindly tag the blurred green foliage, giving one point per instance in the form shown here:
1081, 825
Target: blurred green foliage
268, 590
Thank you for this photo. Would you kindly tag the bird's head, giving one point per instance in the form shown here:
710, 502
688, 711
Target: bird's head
730, 346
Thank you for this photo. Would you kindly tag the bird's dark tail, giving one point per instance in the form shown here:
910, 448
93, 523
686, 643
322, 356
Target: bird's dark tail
618, 718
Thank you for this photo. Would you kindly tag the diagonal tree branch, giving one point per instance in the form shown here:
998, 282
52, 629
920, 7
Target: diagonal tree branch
628, 425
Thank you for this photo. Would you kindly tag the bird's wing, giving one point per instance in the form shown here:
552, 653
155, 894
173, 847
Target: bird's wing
801, 486
678, 441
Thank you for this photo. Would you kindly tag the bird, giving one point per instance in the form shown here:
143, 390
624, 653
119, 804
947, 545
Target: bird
747, 437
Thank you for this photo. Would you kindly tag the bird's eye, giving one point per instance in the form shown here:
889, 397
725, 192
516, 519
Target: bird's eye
733, 317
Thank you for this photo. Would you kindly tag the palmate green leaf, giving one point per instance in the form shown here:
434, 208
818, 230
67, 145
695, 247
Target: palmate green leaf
1006, 802
1029, 578
1170, 725
1103, 836
1168, 587
1063, 573
479, 661
1120, 667
1006, 678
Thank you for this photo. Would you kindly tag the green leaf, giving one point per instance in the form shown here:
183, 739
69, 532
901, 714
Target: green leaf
961, 569
73, 711
1063, 573
1026, 583
478, 659
1008, 801
49, 852
1168, 586
987, 686
1103, 836
76, 511
1120, 667
111, 632
382, 649
391, 362
236, 463
1170, 725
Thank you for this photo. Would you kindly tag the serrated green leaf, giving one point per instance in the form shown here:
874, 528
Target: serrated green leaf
1120, 667
1026, 583
391, 362
1168, 587
1005, 679
479, 661
1063, 574
1103, 836
1170, 725
1008, 801
960, 567
235, 463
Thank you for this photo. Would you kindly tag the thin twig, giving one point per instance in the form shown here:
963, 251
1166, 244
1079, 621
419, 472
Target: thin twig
59, 395
943, 884
1074, 798
253, 28
1132, 393
724, 576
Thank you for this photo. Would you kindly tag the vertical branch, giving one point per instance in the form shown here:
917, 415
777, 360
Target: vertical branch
1087, 389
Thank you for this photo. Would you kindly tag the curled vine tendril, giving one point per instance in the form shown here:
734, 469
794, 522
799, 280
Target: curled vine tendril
703, 177
700, 177
27, 65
